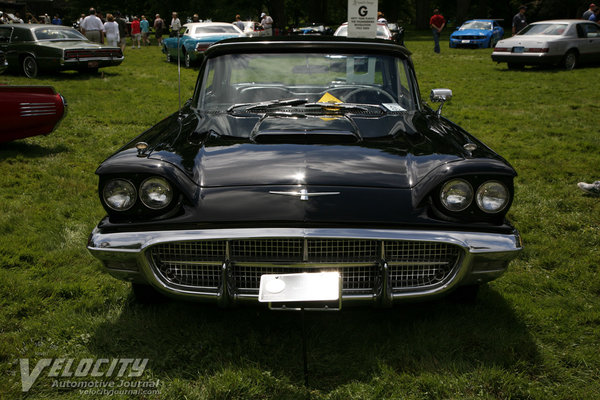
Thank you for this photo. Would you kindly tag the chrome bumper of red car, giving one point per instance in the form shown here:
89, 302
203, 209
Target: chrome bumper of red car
377, 266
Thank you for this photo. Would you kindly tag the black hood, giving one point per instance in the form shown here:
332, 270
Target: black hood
225, 150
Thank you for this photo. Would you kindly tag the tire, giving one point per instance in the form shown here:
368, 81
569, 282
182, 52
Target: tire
29, 66
146, 294
569, 62
187, 60
168, 55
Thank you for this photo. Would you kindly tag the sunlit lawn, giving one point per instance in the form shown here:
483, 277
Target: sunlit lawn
534, 333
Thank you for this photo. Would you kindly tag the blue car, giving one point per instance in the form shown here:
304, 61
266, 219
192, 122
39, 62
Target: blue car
477, 34
195, 38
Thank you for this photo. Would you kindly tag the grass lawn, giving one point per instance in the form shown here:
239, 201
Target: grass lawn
534, 333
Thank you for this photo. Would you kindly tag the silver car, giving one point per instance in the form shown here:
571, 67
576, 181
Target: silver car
565, 42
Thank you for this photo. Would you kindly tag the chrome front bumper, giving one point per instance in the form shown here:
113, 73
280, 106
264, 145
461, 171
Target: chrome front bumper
126, 256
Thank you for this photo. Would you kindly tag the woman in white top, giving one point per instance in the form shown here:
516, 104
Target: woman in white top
111, 29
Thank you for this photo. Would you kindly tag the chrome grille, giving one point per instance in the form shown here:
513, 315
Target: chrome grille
37, 109
419, 264
355, 279
199, 264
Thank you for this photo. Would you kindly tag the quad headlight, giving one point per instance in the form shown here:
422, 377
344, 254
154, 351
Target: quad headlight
119, 194
456, 195
156, 193
492, 197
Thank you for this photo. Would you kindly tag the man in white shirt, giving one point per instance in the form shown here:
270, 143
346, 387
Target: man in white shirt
92, 27
175, 24
267, 24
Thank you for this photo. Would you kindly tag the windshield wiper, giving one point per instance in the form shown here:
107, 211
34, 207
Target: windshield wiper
268, 104
344, 106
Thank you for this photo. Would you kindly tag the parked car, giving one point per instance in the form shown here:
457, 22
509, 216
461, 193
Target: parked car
32, 48
299, 155
3, 62
558, 42
195, 38
383, 32
29, 111
253, 28
397, 32
477, 34
313, 29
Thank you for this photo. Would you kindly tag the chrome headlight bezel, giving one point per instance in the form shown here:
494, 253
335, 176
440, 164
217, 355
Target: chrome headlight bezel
492, 189
456, 188
126, 185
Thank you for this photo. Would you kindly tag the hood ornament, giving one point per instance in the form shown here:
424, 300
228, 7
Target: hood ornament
304, 194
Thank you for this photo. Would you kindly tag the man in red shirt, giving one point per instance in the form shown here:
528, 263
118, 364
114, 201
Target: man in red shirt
136, 32
437, 23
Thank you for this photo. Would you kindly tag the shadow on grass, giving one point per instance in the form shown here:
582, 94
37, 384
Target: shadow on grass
71, 75
187, 340
18, 148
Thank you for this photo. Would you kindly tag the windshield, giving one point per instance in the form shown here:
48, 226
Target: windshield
476, 25
544, 29
210, 30
382, 31
380, 80
58, 34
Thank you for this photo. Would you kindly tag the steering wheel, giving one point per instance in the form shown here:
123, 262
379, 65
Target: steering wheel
368, 95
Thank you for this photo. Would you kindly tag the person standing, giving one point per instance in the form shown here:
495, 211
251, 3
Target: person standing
145, 27
136, 32
92, 27
238, 22
437, 23
587, 14
111, 28
122, 30
595, 17
159, 26
56, 20
519, 21
267, 23
175, 24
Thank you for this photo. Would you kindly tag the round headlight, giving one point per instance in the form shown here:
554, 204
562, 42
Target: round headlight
156, 193
456, 195
119, 194
492, 197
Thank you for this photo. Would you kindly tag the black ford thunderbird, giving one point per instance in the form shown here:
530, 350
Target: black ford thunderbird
302, 156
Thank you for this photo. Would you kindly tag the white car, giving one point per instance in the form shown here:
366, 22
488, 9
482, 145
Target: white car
253, 28
565, 42
383, 32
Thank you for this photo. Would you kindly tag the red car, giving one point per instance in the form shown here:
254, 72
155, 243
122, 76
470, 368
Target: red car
29, 111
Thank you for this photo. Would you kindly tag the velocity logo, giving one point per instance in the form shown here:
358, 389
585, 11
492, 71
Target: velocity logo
85, 368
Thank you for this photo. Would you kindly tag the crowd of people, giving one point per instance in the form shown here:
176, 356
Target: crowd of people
114, 28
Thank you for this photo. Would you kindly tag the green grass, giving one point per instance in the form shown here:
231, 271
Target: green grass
533, 334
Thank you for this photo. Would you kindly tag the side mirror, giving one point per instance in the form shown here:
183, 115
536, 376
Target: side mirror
440, 96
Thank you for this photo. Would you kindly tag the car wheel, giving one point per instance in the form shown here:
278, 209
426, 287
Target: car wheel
30, 67
168, 55
570, 60
188, 60
146, 294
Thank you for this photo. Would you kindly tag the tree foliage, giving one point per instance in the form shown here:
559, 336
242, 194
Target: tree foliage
289, 13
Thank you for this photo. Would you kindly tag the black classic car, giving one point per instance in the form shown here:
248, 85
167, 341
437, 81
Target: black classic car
32, 48
304, 156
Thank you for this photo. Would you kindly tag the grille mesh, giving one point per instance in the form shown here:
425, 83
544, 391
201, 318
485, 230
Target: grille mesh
198, 264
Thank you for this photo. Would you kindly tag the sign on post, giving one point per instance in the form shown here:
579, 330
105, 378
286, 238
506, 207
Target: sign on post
362, 18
